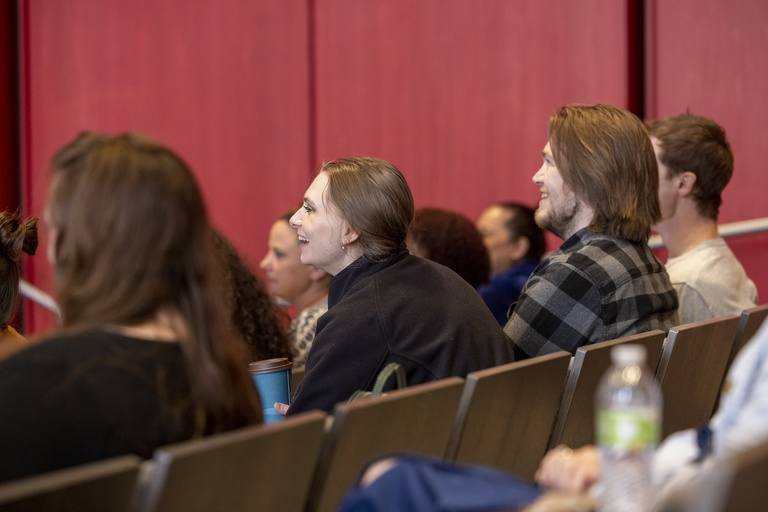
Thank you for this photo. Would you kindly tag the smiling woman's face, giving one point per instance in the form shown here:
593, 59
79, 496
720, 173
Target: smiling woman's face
323, 233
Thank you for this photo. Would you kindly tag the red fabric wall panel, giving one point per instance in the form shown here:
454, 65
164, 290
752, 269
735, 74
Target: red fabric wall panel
458, 93
223, 83
709, 56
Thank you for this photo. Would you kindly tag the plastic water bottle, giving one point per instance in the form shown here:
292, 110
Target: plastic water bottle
628, 427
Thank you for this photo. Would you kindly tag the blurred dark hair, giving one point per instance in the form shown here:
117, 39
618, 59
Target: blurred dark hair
452, 240
16, 236
255, 316
522, 222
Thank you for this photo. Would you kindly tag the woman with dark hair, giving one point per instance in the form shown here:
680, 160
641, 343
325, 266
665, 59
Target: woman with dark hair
257, 320
16, 236
515, 245
385, 305
450, 239
146, 356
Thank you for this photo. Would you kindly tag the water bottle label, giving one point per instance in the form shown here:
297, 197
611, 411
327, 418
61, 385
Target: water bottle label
627, 429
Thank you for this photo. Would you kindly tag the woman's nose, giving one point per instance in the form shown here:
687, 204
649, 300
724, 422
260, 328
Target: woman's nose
295, 220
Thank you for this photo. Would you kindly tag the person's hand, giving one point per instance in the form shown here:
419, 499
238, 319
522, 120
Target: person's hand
281, 408
570, 470
558, 501
376, 469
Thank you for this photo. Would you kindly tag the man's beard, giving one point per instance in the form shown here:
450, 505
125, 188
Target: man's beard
559, 220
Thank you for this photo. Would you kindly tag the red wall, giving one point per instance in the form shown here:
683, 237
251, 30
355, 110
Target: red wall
255, 94
223, 83
458, 96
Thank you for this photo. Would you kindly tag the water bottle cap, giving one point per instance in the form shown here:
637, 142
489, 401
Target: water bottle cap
628, 354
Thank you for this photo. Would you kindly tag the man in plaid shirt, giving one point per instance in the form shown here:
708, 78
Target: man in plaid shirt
599, 193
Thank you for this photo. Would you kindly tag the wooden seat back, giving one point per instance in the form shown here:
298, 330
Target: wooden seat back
417, 419
264, 467
575, 423
691, 370
506, 414
94, 487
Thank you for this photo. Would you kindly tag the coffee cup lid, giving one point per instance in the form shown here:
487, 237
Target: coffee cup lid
269, 365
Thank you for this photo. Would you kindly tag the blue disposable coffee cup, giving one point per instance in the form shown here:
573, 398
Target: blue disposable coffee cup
273, 381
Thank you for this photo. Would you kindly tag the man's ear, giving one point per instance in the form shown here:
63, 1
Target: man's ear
686, 184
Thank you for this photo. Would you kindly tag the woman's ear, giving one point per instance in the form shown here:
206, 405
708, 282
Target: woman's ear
349, 235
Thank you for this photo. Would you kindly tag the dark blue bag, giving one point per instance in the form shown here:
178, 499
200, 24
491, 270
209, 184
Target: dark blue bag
420, 484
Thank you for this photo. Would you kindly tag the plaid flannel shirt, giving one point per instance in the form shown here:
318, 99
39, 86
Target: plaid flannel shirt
594, 288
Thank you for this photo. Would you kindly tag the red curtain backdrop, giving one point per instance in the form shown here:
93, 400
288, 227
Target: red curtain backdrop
224, 83
457, 94
255, 94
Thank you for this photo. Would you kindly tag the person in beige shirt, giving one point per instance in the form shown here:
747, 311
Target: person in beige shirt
695, 165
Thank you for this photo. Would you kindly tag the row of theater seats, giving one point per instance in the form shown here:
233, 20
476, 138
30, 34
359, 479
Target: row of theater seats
506, 417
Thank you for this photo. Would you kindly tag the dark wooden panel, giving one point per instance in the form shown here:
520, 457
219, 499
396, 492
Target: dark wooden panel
103, 485
9, 133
